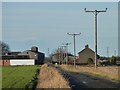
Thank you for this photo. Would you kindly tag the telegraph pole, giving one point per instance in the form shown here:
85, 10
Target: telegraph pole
108, 52
63, 53
66, 51
115, 53
95, 12
74, 34
48, 52
59, 53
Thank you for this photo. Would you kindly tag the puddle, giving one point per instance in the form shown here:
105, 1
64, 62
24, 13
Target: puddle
84, 82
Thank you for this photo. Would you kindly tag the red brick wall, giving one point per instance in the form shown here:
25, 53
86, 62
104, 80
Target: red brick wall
4, 62
1, 62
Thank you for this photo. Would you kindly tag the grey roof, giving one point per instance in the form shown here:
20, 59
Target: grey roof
8, 57
32, 51
11, 53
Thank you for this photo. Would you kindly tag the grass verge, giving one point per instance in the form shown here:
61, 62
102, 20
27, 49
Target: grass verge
110, 73
51, 78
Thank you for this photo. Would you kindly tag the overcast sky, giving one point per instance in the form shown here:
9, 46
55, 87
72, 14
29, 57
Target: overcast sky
46, 25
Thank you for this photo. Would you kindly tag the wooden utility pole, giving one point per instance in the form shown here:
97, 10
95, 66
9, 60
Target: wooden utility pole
95, 12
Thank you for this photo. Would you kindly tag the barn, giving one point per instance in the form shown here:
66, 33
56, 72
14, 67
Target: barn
28, 57
10, 60
34, 54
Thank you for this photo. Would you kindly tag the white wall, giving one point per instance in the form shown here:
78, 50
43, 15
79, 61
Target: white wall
22, 62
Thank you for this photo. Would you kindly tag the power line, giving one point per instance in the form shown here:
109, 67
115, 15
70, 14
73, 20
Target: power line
74, 35
95, 12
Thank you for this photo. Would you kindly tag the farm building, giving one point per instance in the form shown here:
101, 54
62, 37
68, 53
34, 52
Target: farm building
85, 54
71, 59
28, 57
11, 60
61, 58
34, 54
56, 58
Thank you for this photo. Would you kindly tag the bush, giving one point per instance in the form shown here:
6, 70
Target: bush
100, 63
90, 61
112, 60
104, 63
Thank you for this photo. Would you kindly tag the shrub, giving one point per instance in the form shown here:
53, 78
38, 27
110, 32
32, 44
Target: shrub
100, 63
112, 60
90, 61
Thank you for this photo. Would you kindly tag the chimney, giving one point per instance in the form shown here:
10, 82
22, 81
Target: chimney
87, 46
34, 48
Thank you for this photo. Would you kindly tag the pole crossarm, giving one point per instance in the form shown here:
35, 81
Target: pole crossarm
95, 11
66, 44
74, 34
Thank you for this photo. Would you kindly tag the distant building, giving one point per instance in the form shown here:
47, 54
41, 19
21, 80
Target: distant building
34, 54
85, 54
8, 58
28, 57
56, 58
61, 58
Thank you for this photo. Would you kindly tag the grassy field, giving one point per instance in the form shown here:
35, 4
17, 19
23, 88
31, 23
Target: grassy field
18, 76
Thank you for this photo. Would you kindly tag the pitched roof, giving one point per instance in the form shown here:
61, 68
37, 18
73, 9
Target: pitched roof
86, 47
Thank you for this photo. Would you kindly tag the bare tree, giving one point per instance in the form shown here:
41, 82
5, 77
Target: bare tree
4, 47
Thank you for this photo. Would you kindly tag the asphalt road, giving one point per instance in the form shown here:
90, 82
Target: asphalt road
80, 81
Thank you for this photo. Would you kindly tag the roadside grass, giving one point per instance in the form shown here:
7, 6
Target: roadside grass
107, 72
51, 78
19, 76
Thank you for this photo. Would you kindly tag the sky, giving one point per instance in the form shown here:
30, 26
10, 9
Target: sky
45, 24
60, 0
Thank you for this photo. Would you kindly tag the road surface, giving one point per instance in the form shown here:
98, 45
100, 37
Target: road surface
79, 81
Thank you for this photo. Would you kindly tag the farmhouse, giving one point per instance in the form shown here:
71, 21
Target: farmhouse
28, 57
85, 54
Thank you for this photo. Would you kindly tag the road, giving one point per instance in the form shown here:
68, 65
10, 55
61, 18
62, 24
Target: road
79, 81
